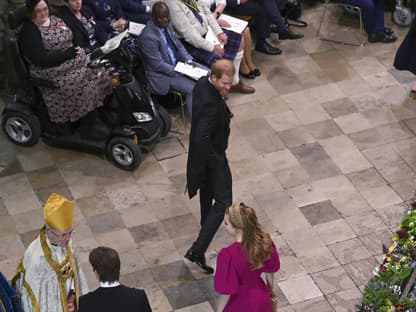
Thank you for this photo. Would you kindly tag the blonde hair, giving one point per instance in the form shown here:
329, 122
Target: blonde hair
256, 242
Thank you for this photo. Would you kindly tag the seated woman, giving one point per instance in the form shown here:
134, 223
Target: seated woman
247, 67
46, 43
373, 19
87, 34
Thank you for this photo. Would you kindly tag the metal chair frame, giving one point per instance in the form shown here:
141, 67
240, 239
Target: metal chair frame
318, 32
180, 96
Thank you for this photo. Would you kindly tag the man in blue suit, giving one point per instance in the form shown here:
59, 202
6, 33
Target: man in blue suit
162, 50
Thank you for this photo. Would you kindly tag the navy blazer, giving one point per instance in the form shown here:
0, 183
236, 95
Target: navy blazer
158, 63
105, 12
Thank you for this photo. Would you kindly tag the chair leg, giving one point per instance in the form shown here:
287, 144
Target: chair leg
322, 20
361, 27
359, 44
183, 112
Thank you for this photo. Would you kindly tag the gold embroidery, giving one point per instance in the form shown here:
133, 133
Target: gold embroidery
21, 271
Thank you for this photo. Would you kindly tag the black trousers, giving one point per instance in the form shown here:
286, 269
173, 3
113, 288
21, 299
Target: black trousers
215, 195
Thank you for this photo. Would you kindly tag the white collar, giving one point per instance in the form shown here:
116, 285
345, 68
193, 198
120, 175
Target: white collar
109, 284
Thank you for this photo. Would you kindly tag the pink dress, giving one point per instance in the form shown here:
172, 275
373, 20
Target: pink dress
246, 288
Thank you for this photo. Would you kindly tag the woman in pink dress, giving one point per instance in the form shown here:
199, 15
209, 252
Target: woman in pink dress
240, 266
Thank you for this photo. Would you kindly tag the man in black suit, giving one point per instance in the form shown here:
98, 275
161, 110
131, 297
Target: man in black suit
111, 296
207, 167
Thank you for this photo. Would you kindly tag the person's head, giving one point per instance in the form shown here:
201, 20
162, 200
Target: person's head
255, 242
222, 74
38, 11
74, 5
160, 14
105, 262
58, 214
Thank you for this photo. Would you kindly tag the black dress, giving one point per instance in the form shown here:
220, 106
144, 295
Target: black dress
406, 54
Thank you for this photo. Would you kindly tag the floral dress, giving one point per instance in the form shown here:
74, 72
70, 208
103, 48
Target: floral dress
81, 89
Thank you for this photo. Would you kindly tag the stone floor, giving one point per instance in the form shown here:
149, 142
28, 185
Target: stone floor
325, 150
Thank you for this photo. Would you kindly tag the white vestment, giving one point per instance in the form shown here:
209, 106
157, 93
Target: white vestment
46, 276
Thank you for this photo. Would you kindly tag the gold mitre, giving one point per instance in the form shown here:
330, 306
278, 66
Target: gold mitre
58, 213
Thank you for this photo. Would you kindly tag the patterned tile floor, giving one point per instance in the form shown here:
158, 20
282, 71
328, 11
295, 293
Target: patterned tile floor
325, 150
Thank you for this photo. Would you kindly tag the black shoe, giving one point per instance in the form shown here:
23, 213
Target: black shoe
199, 260
267, 48
289, 35
381, 36
256, 72
249, 75
388, 31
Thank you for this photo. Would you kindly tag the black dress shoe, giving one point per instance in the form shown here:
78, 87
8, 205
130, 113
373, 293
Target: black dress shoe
256, 72
267, 48
289, 35
388, 31
381, 36
199, 260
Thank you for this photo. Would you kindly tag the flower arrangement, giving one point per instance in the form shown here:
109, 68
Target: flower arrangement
383, 293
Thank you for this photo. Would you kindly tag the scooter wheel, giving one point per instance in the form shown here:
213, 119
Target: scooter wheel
20, 128
166, 121
402, 16
124, 153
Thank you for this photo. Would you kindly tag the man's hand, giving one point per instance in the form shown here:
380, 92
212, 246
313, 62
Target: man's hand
223, 23
219, 50
222, 37
119, 24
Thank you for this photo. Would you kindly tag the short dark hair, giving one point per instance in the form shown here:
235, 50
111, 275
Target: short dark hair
106, 262
157, 7
30, 6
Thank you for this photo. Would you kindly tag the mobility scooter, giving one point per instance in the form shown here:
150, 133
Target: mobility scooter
131, 119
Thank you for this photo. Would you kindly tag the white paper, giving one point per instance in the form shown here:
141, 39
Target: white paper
136, 28
211, 37
236, 25
113, 43
190, 71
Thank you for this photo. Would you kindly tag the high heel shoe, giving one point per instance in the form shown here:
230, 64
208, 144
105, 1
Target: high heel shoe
250, 75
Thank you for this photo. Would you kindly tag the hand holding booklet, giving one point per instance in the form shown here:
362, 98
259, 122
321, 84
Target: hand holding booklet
191, 71
236, 25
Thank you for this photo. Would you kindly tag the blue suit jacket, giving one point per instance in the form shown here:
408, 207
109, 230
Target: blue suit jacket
159, 67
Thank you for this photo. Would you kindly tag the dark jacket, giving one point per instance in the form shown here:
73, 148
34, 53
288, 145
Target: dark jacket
105, 12
120, 298
406, 54
210, 129
30, 42
79, 32
135, 11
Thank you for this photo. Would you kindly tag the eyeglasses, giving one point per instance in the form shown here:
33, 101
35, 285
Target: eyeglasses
61, 235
